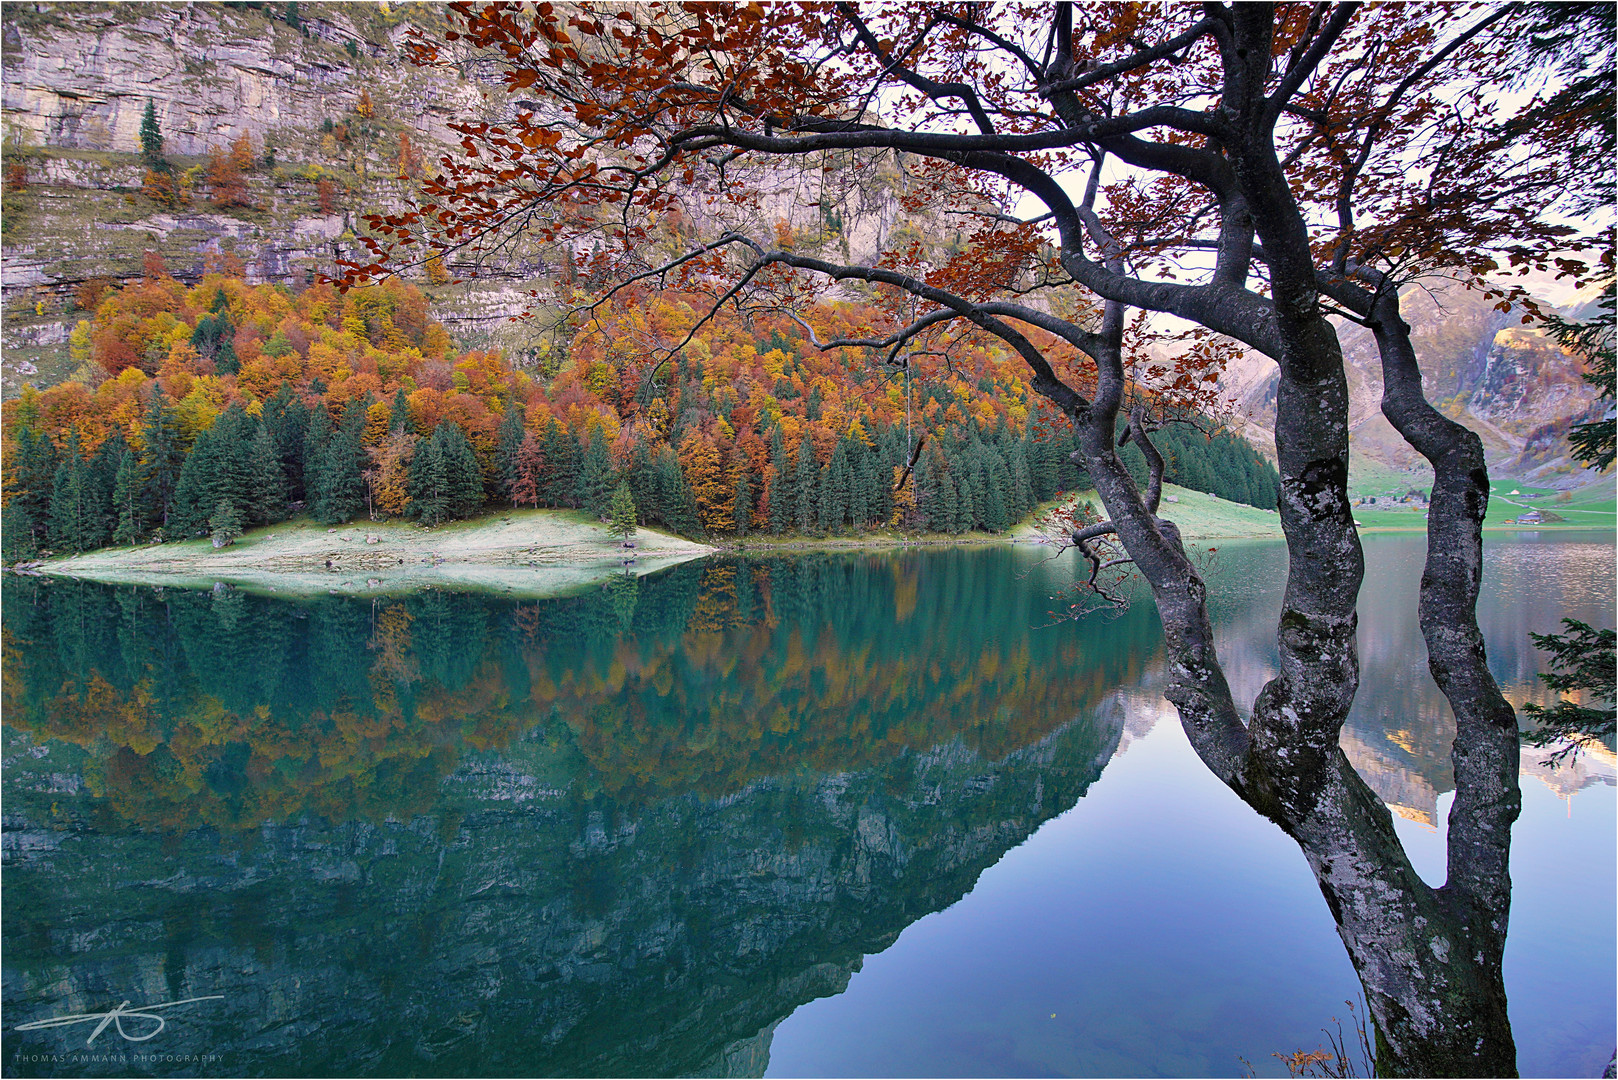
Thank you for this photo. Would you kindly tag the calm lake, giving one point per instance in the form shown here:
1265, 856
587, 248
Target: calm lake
864, 814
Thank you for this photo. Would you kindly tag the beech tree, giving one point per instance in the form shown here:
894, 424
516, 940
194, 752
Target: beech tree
1253, 170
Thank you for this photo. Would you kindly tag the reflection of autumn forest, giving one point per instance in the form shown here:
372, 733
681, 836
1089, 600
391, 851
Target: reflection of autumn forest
226, 709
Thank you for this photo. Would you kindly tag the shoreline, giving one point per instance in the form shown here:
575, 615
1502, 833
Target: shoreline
540, 553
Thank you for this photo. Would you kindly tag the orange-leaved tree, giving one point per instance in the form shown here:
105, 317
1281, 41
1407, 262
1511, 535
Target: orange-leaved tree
1252, 169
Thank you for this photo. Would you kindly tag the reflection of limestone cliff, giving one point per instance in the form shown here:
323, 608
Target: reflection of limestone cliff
546, 935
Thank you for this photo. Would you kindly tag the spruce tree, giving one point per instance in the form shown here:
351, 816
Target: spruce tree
507, 443
399, 417
965, 509
946, 502
680, 505
924, 495
161, 458
741, 511
339, 492
286, 418
225, 523
464, 475
269, 502
562, 465
17, 534
34, 477
643, 481
129, 500
858, 492
428, 483
151, 139
595, 474
1022, 487
317, 433
782, 486
77, 515
189, 515
806, 487
621, 513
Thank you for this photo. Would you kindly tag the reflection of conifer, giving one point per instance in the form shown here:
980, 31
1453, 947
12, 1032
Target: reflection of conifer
623, 592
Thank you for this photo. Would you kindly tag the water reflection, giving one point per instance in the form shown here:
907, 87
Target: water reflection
622, 833
617, 834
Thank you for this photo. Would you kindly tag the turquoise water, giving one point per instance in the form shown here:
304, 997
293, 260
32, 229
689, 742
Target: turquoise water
866, 814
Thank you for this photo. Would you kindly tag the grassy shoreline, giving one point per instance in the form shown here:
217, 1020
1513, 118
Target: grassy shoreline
534, 553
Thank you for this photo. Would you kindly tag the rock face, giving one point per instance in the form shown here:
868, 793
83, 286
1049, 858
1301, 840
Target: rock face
77, 82
1508, 383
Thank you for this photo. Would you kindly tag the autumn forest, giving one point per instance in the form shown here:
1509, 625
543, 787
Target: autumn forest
211, 408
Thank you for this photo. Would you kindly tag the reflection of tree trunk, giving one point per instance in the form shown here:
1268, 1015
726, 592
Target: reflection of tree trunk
1429, 959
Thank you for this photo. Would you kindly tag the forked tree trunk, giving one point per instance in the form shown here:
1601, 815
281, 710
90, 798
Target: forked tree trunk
1428, 959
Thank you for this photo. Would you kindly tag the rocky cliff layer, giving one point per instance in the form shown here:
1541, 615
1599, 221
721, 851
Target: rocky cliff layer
78, 78
1507, 382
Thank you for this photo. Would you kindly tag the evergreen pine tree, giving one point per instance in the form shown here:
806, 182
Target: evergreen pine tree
507, 443
286, 418
17, 534
77, 521
965, 499
233, 479
680, 505
151, 139
339, 493
428, 483
595, 474
742, 504
399, 417
317, 433
996, 486
806, 485
34, 476
225, 523
161, 459
189, 514
463, 474
946, 516
858, 484
561, 465
781, 487
1022, 487
643, 481
924, 487
129, 500
268, 491
621, 513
